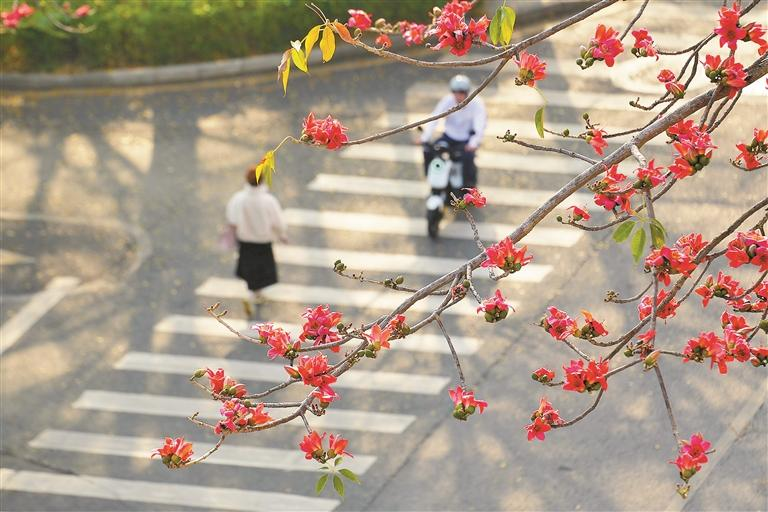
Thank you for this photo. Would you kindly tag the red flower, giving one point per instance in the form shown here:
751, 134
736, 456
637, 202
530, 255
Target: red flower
595, 139
558, 324
649, 176
321, 326
313, 371
543, 375
452, 31
531, 69
643, 46
379, 338
495, 308
579, 213
505, 256
591, 378
665, 75
645, 308
728, 27
473, 197
610, 191
359, 19
750, 153
383, 41
676, 89
12, 18
459, 7
755, 33
82, 11
748, 248
398, 326
328, 132
605, 45
225, 386
537, 429
591, 329
175, 452
413, 33
727, 72
237, 415
670, 261
465, 403
759, 356
725, 286
312, 445
337, 446
691, 456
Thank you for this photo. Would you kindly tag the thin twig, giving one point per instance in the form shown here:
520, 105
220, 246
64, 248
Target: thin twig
664, 393
634, 20
583, 414
456, 361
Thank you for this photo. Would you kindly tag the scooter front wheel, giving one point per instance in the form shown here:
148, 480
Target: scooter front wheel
433, 222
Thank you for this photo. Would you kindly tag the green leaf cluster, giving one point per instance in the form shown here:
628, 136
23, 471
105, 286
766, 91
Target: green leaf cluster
638, 240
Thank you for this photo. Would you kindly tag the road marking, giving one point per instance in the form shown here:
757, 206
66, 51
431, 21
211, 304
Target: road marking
226, 288
410, 226
370, 185
392, 263
411, 154
207, 326
227, 454
497, 127
175, 364
180, 407
40, 303
511, 96
140, 491
8, 258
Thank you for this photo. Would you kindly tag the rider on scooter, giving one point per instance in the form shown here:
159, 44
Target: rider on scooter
464, 127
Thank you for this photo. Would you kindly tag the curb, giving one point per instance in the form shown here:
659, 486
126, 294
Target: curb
531, 12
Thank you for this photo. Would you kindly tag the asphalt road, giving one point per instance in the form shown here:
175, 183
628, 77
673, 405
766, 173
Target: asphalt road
124, 190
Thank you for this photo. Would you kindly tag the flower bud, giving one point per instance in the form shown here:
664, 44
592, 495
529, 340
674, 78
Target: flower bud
198, 373
566, 132
399, 280
629, 352
650, 361
763, 325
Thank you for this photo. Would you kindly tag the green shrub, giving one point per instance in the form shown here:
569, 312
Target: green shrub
156, 32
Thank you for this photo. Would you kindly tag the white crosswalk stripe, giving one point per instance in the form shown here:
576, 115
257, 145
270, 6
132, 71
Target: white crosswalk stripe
393, 263
523, 128
397, 225
225, 288
209, 327
180, 407
176, 364
370, 185
158, 493
485, 159
226, 455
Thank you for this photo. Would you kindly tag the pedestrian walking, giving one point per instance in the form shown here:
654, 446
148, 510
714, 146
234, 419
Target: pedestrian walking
255, 219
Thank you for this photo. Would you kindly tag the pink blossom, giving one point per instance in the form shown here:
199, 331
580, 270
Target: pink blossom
558, 324
465, 403
531, 69
473, 197
175, 452
495, 308
359, 19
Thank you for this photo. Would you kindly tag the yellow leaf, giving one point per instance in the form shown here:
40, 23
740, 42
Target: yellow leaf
284, 69
266, 167
343, 32
327, 44
311, 39
298, 58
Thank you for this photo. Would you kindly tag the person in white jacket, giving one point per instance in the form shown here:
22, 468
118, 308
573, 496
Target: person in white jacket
464, 127
257, 220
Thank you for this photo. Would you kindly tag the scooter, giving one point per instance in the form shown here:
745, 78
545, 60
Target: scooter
444, 175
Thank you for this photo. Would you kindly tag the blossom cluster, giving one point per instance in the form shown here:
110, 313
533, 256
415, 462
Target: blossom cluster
494, 308
673, 87
678, 259
733, 345
313, 371
749, 248
644, 45
750, 154
239, 414
691, 456
454, 32
531, 69
12, 18
645, 308
591, 378
611, 192
465, 403
506, 256
222, 385
472, 197
731, 31
542, 420
328, 132
321, 326
175, 452
604, 46
313, 447
694, 148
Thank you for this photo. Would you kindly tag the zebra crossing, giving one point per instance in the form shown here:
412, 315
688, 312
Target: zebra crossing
165, 357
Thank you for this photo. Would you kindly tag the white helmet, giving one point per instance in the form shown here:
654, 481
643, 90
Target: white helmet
460, 83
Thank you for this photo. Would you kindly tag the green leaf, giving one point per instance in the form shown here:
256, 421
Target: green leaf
338, 484
538, 120
350, 475
638, 244
623, 231
502, 25
327, 44
657, 235
321, 483
659, 225
337, 461
311, 39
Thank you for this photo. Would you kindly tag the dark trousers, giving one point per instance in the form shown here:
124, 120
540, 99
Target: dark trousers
469, 169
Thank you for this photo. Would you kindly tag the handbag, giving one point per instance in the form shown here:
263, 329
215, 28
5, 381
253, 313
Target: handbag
227, 240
